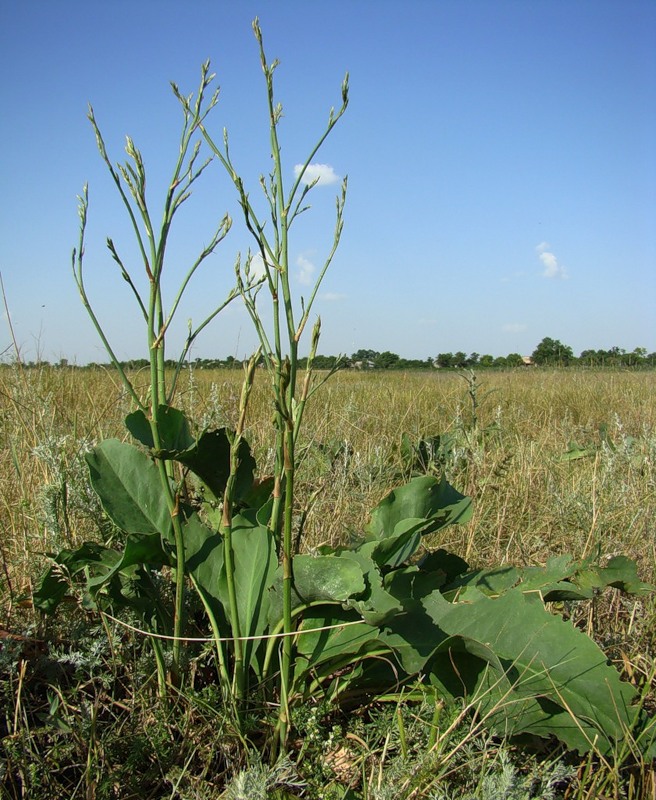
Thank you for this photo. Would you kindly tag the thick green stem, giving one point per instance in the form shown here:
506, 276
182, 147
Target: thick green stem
161, 667
157, 391
280, 352
239, 683
287, 581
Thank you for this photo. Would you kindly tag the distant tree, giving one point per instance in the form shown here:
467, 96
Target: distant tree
473, 360
386, 360
444, 360
460, 360
137, 363
500, 361
325, 362
365, 355
552, 352
590, 358
514, 360
486, 361
636, 357
615, 356
413, 363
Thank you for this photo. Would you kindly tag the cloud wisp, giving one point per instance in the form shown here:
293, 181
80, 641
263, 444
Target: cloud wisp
552, 269
305, 270
514, 327
323, 174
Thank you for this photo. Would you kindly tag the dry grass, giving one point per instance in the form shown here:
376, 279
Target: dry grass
530, 502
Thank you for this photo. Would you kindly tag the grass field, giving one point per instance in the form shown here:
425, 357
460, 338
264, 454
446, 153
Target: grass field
555, 461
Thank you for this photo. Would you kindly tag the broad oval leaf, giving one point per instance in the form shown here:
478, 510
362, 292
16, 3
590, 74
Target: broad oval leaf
329, 633
173, 427
395, 550
139, 549
326, 578
330, 578
255, 563
129, 487
555, 681
209, 459
204, 557
426, 498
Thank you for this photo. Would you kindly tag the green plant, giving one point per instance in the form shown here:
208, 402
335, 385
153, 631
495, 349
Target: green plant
349, 622
130, 181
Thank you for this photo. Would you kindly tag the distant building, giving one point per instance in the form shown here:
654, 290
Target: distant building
528, 361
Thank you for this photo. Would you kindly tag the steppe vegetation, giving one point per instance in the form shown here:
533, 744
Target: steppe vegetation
282, 582
555, 461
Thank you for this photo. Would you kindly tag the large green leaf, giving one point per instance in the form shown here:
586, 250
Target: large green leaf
394, 550
376, 604
561, 578
204, 563
129, 487
329, 578
555, 680
326, 578
414, 637
255, 563
322, 638
426, 498
112, 579
55, 583
173, 427
409, 585
139, 549
331, 639
620, 572
209, 459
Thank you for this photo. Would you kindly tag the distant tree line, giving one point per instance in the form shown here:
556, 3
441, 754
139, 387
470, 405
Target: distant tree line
548, 353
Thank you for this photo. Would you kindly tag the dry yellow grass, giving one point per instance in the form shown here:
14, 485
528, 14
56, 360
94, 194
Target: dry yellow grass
528, 502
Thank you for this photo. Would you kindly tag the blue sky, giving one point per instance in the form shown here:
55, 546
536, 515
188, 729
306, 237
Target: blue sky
501, 158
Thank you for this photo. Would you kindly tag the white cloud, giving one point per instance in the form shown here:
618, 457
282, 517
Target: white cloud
257, 270
552, 269
306, 270
324, 172
333, 297
514, 327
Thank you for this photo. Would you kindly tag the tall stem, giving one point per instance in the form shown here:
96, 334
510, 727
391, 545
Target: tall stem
130, 181
280, 351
